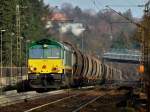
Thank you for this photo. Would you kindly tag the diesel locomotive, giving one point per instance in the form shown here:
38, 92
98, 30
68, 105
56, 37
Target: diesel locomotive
52, 64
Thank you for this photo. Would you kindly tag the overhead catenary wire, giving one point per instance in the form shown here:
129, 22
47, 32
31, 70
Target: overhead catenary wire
130, 6
128, 19
94, 3
137, 24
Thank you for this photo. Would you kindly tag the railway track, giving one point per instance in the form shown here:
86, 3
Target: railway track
104, 103
84, 105
47, 104
80, 102
67, 104
13, 98
30, 100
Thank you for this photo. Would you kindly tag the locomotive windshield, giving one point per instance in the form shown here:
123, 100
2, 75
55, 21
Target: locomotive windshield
36, 53
39, 51
52, 53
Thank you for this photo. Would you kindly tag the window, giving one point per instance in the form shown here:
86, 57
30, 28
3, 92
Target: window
36, 53
39, 51
52, 53
56, 52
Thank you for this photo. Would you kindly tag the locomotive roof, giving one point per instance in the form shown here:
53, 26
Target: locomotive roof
49, 42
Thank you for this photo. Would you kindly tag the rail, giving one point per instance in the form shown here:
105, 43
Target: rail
16, 98
30, 110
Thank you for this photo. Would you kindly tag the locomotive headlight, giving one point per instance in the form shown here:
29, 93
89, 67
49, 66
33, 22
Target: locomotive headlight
45, 45
33, 68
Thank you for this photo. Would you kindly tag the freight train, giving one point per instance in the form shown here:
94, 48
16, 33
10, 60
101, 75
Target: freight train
52, 64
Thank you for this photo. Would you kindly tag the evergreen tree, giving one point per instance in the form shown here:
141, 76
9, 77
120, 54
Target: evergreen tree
31, 24
7, 14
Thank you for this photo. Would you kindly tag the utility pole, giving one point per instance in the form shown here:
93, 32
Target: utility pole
146, 51
18, 34
19, 42
1, 60
11, 57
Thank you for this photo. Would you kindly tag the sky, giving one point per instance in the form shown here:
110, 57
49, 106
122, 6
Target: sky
118, 5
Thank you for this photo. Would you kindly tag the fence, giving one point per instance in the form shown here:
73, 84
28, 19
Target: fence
10, 76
